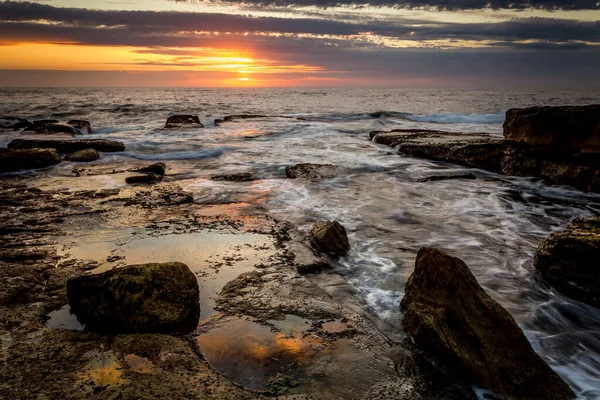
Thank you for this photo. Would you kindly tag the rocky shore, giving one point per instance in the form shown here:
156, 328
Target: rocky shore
248, 306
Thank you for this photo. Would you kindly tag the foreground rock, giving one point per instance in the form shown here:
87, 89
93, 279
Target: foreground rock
566, 129
85, 155
156, 168
450, 315
67, 146
183, 121
234, 177
14, 123
330, 237
15, 160
312, 171
568, 259
137, 298
140, 179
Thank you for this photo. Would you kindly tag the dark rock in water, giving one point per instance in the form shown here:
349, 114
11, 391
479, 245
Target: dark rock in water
231, 118
14, 123
86, 155
137, 298
83, 126
568, 259
237, 176
564, 129
67, 146
330, 237
312, 171
477, 150
51, 127
451, 316
446, 177
149, 178
157, 168
15, 160
183, 121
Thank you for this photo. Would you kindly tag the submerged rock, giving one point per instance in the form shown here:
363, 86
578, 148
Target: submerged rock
568, 259
157, 168
565, 129
236, 176
330, 237
183, 121
85, 155
149, 178
15, 160
231, 118
312, 171
67, 146
137, 298
15, 123
451, 316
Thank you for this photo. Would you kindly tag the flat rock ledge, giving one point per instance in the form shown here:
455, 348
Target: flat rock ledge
450, 316
568, 260
137, 298
67, 146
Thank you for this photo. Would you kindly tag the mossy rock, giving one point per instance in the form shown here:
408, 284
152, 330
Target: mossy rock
451, 317
137, 298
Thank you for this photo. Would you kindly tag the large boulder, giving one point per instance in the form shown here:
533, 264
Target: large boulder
450, 315
564, 129
568, 259
312, 171
67, 146
14, 123
330, 237
15, 160
183, 121
85, 155
137, 298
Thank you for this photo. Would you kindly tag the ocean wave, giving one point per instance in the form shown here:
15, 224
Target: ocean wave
180, 155
459, 118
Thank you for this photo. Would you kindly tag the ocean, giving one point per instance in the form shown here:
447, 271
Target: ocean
494, 223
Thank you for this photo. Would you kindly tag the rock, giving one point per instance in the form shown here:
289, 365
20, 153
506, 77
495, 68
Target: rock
137, 298
14, 123
450, 315
149, 178
477, 150
15, 160
84, 126
564, 129
157, 168
330, 237
51, 127
86, 155
67, 146
312, 171
183, 121
231, 118
568, 259
446, 177
236, 176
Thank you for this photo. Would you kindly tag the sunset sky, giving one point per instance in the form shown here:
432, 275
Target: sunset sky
405, 43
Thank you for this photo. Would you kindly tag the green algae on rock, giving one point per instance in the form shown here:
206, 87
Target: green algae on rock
137, 298
451, 316
568, 259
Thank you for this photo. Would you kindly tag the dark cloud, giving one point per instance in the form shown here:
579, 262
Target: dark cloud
431, 4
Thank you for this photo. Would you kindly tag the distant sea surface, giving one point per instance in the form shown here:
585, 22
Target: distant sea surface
494, 223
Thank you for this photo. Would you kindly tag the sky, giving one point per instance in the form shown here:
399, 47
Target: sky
300, 43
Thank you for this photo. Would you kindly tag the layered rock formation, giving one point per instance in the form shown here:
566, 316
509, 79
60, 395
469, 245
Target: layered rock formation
568, 259
137, 298
451, 316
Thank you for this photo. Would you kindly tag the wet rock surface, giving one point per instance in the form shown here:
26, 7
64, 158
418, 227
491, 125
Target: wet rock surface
137, 298
566, 129
67, 146
450, 315
86, 155
330, 237
14, 123
568, 259
312, 171
84, 126
157, 168
143, 179
15, 160
183, 121
53, 127
234, 177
